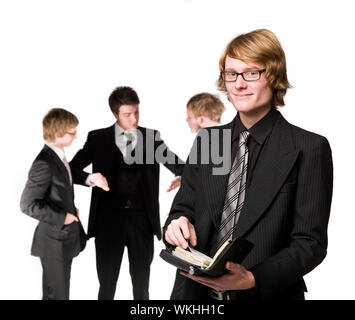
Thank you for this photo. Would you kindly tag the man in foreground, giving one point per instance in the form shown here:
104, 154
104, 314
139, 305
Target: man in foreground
277, 193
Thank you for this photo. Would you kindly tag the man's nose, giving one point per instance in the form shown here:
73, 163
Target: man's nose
240, 82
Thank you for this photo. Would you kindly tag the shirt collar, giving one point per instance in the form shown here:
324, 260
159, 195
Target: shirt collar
119, 130
260, 130
60, 152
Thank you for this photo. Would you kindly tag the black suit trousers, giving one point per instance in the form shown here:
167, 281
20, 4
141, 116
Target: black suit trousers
115, 231
56, 278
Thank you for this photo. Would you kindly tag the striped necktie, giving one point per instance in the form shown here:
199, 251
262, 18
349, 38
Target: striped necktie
235, 192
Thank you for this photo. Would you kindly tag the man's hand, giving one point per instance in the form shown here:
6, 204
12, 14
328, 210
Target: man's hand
238, 278
180, 230
70, 218
174, 184
99, 181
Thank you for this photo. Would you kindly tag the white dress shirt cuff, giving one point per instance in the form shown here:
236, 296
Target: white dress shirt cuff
88, 183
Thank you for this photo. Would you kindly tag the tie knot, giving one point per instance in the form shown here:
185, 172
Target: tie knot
128, 135
244, 136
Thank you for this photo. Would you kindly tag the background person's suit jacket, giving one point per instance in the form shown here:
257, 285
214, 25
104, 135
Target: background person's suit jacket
101, 151
48, 197
285, 213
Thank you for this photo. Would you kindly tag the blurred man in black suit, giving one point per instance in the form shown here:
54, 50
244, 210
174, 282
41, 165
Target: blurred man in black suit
127, 213
204, 110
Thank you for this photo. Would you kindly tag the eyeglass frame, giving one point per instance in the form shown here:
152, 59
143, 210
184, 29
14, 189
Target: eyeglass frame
71, 133
242, 74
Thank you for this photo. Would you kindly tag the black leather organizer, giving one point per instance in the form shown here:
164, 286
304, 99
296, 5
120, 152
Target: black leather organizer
234, 251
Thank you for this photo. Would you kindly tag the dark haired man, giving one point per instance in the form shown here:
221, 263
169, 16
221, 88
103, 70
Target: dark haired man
127, 213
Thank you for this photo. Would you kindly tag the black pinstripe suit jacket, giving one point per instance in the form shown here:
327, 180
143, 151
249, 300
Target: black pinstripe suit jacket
285, 213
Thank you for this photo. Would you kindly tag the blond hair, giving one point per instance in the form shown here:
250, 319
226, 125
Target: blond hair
58, 121
206, 104
260, 46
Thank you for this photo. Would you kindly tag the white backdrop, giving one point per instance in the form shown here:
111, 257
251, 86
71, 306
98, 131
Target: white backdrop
71, 54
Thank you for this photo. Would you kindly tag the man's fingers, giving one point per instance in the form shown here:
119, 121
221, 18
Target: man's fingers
185, 229
231, 266
174, 237
189, 232
167, 238
193, 238
174, 184
170, 238
172, 187
180, 236
100, 181
105, 184
206, 281
175, 234
105, 188
179, 231
70, 218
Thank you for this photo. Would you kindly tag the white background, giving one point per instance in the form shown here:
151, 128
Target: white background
73, 53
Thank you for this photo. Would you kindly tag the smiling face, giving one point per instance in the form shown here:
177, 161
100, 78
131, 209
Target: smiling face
128, 116
252, 99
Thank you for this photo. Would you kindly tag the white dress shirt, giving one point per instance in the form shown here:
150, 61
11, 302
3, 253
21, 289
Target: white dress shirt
60, 152
121, 138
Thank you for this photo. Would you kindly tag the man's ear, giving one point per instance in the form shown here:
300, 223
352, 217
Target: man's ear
200, 120
56, 136
115, 115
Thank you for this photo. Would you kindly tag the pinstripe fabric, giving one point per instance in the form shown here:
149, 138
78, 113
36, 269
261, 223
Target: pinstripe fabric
235, 194
285, 213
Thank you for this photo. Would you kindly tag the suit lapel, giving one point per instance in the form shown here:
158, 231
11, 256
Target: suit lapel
216, 185
142, 142
274, 165
67, 201
59, 162
110, 141
115, 155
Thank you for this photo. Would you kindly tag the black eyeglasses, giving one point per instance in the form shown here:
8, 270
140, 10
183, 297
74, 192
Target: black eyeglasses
231, 76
